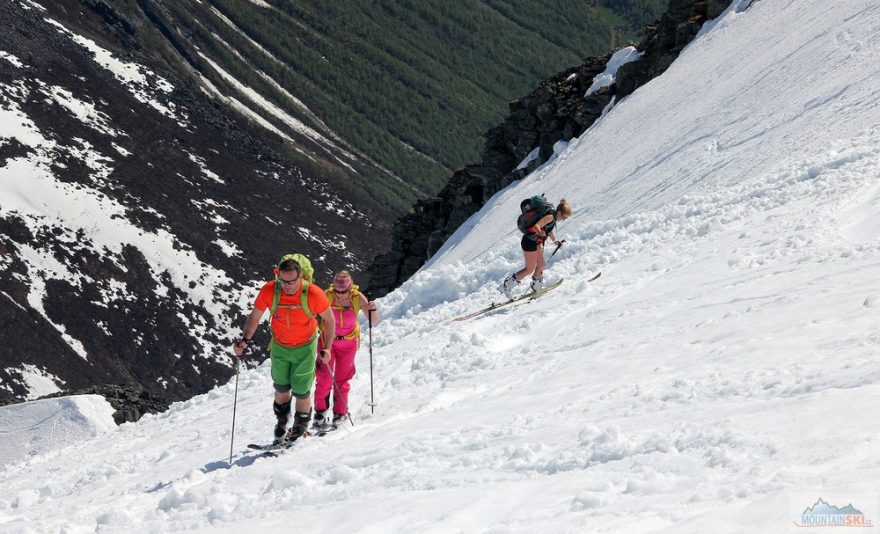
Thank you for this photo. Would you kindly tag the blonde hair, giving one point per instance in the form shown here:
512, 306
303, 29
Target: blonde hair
564, 208
342, 274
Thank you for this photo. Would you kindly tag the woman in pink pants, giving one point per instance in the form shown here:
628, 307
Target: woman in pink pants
345, 302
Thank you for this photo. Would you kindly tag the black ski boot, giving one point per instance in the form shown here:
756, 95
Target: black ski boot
300, 424
282, 414
321, 421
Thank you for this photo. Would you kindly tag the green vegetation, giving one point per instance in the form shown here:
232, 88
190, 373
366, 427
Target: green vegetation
412, 84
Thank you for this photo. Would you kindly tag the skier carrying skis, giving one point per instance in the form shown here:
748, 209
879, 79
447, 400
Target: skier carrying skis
294, 341
538, 222
338, 367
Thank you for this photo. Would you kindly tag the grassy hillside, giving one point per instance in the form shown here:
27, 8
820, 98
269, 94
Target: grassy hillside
411, 85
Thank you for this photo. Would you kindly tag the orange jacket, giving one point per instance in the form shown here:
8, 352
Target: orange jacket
291, 327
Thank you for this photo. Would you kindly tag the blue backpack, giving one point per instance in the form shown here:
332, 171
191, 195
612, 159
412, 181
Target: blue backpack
532, 210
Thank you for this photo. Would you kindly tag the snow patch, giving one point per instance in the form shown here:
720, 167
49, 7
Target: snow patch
37, 381
12, 59
85, 112
618, 59
139, 80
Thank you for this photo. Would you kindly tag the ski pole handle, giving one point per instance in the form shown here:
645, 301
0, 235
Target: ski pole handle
558, 246
237, 346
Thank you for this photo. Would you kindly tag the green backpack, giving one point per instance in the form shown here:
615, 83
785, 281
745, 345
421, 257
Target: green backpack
308, 272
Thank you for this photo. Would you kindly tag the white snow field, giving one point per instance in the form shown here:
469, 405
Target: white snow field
721, 375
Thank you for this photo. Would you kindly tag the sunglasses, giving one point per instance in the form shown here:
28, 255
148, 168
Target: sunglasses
288, 282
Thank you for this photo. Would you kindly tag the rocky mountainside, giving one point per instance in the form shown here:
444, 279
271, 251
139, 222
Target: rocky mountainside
138, 214
558, 110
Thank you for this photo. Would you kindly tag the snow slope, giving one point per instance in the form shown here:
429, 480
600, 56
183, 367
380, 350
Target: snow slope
34, 427
720, 376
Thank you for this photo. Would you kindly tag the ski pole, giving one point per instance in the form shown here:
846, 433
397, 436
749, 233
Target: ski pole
234, 405
370, 325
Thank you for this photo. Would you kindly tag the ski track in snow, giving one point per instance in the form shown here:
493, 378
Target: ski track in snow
724, 362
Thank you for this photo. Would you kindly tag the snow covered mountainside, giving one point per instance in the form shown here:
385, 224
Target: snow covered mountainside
720, 376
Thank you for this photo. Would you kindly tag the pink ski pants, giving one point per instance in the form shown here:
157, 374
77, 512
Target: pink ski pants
342, 355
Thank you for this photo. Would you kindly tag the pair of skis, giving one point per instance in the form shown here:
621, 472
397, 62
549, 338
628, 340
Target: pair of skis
532, 295
274, 449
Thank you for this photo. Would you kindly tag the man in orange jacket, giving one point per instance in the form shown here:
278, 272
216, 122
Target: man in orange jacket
294, 341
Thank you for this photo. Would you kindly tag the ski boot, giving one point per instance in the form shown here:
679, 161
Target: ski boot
321, 421
507, 286
301, 422
282, 414
537, 283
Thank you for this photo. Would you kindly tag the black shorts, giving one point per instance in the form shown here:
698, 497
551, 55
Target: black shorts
530, 242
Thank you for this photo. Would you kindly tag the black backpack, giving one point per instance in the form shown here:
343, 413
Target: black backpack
532, 210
